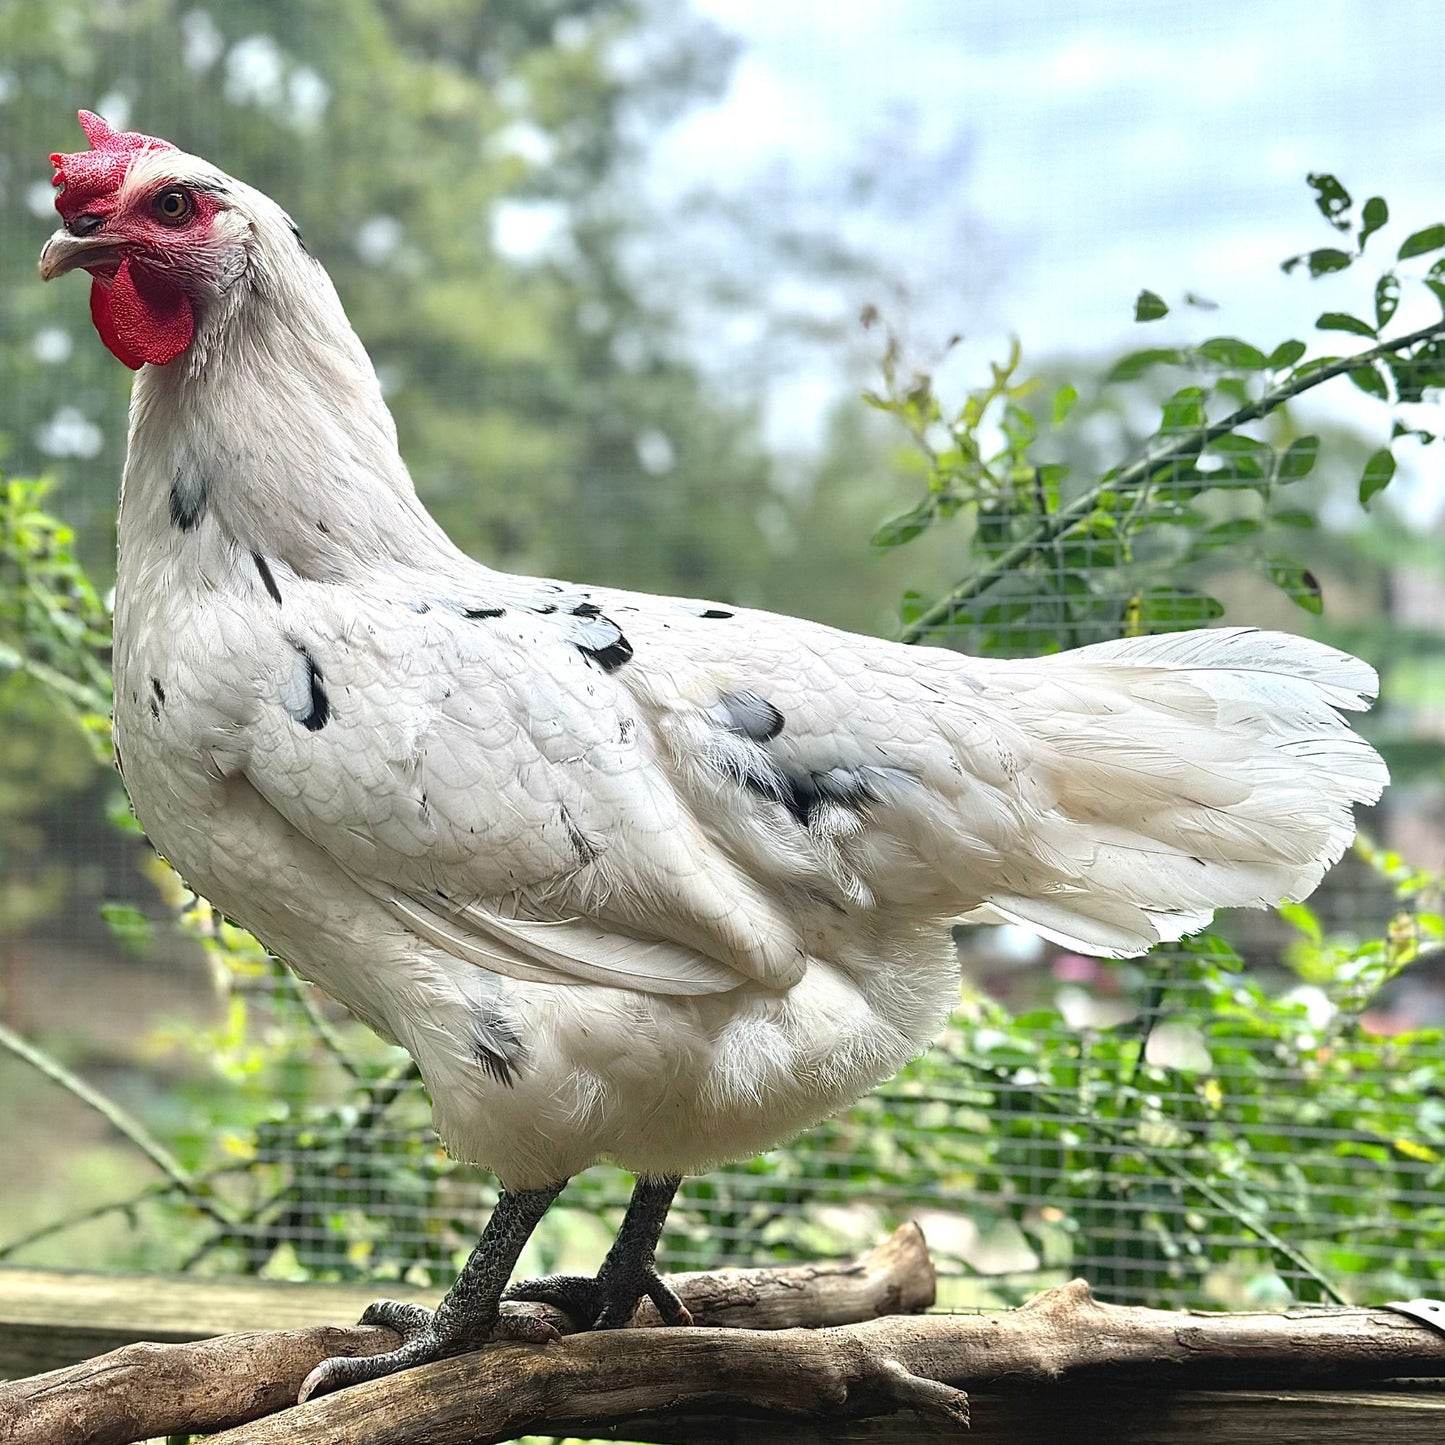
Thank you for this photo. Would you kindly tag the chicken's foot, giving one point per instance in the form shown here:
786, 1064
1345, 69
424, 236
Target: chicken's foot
627, 1275
467, 1317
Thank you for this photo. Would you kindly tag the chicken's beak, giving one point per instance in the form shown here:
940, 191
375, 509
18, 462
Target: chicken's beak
64, 252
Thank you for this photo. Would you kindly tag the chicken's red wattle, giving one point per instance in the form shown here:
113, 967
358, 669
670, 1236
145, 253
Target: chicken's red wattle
140, 316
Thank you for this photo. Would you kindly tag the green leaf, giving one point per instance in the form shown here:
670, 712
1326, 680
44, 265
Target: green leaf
1298, 583
1294, 517
1371, 382
1244, 459
905, 527
1018, 427
1320, 262
910, 608
1227, 533
1184, 411
1303, 919
1298, 459
1399, 429
1237, 468
1064, 399
1133, 366
1376, 214
1238, 441
129, 925
1432, 238
1231, 351
1421, 372
1343, 321
1162, 607
1387, 298
1377, 474
1332, 199
1050, 477
1149, 306
1286, 354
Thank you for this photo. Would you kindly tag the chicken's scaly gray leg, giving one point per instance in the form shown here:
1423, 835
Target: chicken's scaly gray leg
466, 1318
628, 1272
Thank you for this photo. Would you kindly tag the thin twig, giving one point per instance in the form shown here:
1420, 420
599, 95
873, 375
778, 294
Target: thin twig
156, 1190
316, 1017
181, 1178
84, 1216
1145, 471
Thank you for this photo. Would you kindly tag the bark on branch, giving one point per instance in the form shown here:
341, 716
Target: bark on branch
144, 1390
593, 1383
702, 1383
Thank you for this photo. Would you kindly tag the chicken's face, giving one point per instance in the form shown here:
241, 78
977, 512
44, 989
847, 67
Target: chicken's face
154, 228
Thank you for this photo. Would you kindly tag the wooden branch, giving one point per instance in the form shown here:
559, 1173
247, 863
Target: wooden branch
1070, 1415
1065, 1336
1062, 1369
144, 1389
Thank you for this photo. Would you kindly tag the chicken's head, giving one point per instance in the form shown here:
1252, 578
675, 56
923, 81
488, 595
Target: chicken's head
152, 227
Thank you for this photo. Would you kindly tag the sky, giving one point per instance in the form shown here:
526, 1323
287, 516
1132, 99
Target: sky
1034, 163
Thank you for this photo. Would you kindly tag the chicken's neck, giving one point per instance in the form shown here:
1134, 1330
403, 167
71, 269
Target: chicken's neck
273, 429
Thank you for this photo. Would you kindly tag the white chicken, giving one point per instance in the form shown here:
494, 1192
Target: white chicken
632, 878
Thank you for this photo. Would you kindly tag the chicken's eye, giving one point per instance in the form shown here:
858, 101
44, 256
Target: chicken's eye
172, 206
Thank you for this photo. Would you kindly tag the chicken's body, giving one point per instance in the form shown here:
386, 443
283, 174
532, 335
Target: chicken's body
632, 878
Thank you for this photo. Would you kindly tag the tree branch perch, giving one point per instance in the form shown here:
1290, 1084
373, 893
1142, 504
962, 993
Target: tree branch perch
788, 1354
143, 1390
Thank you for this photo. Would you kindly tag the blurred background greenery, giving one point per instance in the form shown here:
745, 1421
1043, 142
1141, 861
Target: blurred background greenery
583, 356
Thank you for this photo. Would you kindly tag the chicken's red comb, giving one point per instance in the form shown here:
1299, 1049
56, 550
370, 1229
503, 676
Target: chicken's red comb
87, 176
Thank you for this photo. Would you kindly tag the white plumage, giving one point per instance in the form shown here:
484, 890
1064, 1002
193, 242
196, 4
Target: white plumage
632, 878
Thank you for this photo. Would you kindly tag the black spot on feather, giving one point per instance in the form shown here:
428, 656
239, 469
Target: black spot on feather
159, 691
477, 613
495, 1045
267, 580
296, 231
611, 657
317, 708
188, 499
717, 612
802, 792
601, 640
587, 609
749, 715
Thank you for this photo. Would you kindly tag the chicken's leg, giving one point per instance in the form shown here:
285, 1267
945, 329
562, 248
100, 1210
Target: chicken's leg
469, 1314
628, 1273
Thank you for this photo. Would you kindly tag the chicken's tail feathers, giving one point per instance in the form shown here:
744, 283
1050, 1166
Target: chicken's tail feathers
1184, 773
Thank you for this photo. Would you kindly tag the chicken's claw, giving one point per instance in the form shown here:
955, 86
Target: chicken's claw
607, 1302
423, 1341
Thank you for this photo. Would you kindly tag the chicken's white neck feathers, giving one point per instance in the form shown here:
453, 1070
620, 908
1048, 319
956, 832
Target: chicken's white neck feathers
274, 423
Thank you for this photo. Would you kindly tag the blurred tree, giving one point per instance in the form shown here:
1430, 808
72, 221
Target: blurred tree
463, 171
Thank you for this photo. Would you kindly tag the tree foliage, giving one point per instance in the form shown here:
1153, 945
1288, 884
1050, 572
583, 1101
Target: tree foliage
465, 174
